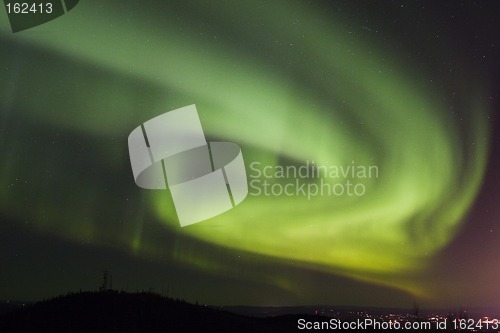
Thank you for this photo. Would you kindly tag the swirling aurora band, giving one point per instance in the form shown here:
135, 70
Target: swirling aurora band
291, 87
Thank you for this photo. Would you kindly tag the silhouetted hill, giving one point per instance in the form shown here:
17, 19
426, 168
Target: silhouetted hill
112, 311
122, 312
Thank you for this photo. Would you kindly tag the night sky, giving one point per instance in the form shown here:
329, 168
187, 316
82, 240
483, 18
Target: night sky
411, 87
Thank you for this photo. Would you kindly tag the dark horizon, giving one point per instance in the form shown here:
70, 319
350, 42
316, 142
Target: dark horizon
112, 310
261, 310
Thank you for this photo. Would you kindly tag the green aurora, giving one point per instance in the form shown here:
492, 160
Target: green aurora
287, 88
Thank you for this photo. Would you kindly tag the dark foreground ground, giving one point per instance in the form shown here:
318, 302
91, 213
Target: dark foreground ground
126, 312
112, 311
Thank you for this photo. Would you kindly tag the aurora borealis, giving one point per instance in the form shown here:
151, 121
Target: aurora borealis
390, 85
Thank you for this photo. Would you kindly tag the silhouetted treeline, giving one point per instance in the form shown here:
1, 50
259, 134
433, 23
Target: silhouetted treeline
112, 311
